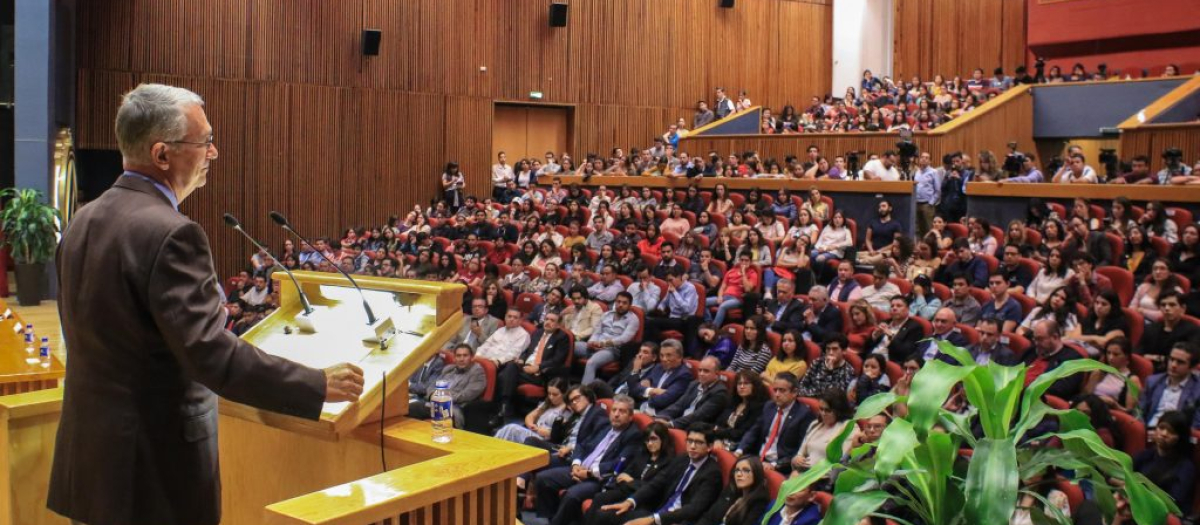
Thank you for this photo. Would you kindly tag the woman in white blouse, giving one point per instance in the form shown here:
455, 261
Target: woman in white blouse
1145, 298
834, 240
1052, 276
834, 414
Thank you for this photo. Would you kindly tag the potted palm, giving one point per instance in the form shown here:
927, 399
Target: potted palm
31, 231
917, 464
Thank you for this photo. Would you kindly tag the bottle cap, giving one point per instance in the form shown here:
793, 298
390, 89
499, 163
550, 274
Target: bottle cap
442, 383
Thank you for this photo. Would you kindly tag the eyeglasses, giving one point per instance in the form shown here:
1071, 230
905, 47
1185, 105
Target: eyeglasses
206, 143
575, 398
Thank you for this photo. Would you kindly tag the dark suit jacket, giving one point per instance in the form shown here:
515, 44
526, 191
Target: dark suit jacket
955, 337
592, 428
554, 357
142, 315
708, 408
697, 497
904, 343
675, 385
1157, 384
792, 318
829, 322
791, 434
627, 443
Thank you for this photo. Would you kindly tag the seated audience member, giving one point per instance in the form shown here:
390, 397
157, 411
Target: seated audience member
507, 342
1084, 241
832, 370
904, 384
1104, 322
1038, 491
646, 294
746, 498
873, 379
1003, 307
785, 311
966, 264
705, 272
897, 338
990, 349
652, 460
799, 508
1176, 389
680, 494
703, 401
1168, 463
1018, 275
922, 301
739, 281
583, 316
467, 382
607, 288
555, 303
776, 435
862, 320
966, 308
1076, 171
424, 379
1048, 353
1057, 306
792, 357
844, 289
1054, 275
1162, 335
664, 383
753, 353
749, 396
881, 232
543, 359
834, 414
540, 422
1100, 415
823, 320
1113, 389
944, 329
562, 490
716, 344
1160, 281
676, 311
638, 368
258, 294
1087, 284
617, 328
880, 292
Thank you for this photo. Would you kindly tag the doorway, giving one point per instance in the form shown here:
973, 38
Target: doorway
529, 131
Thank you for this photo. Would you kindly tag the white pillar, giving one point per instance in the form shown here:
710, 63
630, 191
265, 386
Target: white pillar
862, 39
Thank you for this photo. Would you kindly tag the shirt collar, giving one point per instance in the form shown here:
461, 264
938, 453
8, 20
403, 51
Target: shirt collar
162, 188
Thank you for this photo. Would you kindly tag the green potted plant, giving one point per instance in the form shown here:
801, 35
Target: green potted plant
918, 463
30, 229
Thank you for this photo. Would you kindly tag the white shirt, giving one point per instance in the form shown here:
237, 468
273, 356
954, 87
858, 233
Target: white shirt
505, 344
875, 167
501, 174
255, 297
1169, 400
1088, 175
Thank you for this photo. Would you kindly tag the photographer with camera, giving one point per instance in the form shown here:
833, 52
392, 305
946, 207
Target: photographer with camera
954, 176
1175, 171
1028, 172
1139, 173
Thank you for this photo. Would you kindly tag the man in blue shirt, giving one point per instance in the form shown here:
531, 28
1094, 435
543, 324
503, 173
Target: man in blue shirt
1029, 171
1002, 307
928, 193
676, 311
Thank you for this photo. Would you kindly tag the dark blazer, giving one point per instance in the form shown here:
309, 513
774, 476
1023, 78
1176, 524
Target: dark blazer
141, 313
733, 433
593, 427
829, 322
699, 494
791, 434
755, 508
554, 357
904, 343
955, 337
792, 318
708, 408
628, 442
1157, 384
675, 385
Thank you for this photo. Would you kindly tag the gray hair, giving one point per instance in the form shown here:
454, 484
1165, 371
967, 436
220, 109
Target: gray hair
672, 343
152, 113
625, 399
819, 291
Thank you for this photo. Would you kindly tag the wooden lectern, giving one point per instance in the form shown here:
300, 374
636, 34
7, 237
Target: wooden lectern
362, 463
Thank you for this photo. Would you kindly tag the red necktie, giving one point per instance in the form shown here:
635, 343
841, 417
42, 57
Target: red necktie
774, 434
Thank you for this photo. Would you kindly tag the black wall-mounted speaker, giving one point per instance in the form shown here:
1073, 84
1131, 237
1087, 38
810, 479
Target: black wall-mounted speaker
728, 4
371, 41
558, 15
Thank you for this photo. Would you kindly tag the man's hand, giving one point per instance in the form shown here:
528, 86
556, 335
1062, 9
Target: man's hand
343, 382
564, 452
579, 473
621, 508
531, 369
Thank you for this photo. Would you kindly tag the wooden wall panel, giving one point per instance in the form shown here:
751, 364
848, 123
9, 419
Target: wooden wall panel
468, 140
1151, 139
952, 37
97, 99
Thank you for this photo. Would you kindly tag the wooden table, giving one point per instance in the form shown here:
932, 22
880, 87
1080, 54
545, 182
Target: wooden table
17, 373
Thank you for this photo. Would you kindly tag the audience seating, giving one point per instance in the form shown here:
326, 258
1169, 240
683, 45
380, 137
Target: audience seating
1122, 281
726, 460
1133, 432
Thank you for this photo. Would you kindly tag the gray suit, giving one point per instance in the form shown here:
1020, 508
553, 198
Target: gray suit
143, 322
488, 324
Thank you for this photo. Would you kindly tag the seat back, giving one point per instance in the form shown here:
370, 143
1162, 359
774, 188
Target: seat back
642, 420
1122, 281
725, 460
679, 440
1133, 432
526, 302
489, 370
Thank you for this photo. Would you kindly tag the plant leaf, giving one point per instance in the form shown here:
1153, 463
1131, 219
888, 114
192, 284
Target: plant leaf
930, 388
1038, 387
897, 441
991, 486
799, 483
849, 509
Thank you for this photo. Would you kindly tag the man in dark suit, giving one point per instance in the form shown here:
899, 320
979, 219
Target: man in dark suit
703, 401
900, 335
666, 381
679, 494
637, 369
823, 320
141, 313
784, 312
990, 349
777, 435
589, 462
944, 329
544, 359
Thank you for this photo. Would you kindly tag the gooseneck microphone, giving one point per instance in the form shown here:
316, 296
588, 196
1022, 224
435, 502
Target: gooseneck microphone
232, 222
283, 223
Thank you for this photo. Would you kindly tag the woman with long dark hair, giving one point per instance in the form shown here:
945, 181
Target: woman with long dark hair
1168, 463
749, 395
1059, 306
453, 182
1139, 255
754, 353
746, 498
1145, 298
540, 421
1105, 321
1054, 274
1109, 388
632, 473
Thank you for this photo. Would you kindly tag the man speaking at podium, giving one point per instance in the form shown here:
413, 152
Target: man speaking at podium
143, 323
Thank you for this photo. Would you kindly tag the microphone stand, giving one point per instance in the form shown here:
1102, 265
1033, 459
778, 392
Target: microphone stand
303, 320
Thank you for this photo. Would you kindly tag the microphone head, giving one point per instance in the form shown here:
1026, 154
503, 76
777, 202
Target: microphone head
231, 221
279, 218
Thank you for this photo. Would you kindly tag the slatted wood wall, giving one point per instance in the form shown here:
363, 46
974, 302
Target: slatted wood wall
307, 125
1152, 139
953, 37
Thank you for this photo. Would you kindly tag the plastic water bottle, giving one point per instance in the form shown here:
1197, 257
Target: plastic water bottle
29, 346
442, 412
44, 355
